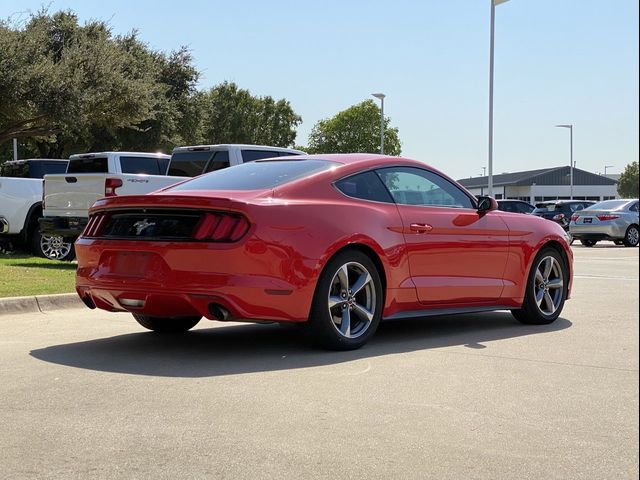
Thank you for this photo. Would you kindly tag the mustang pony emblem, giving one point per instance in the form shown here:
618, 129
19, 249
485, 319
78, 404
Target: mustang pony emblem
142, 225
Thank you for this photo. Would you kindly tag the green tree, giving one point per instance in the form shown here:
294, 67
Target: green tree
67, 88
356, 129
233, 115
628, 183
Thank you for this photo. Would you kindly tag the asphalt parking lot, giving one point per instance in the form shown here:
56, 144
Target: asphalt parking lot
86, 394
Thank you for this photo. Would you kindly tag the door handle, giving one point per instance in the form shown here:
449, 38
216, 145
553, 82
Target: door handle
420, 227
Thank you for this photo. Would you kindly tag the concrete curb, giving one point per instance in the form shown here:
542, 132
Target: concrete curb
39, 303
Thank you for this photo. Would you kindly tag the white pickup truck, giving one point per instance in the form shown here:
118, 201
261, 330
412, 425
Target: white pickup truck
21, 206
91, 176
88, 177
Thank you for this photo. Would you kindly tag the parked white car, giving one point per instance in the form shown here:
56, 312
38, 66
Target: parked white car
21, 206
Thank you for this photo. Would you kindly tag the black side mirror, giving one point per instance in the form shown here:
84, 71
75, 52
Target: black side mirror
486, 204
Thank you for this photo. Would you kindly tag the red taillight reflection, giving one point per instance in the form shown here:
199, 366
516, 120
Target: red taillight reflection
574, 218
559, 216
110, 185
221, 227
605, 217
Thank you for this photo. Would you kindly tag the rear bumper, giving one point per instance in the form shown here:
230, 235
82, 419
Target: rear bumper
68, 227
598, 232
170, 280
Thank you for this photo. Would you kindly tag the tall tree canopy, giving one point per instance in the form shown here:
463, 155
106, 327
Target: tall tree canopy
233, 115
628, 183
356, 129
67, 88
72, 87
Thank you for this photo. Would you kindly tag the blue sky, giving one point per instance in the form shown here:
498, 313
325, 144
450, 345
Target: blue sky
557, 61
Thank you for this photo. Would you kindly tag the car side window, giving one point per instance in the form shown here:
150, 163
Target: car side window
366, 186
416, 186
634, 207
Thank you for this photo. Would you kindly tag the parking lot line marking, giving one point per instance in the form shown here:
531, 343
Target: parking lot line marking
604, 277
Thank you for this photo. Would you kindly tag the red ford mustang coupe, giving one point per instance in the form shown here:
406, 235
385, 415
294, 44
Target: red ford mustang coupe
338, 241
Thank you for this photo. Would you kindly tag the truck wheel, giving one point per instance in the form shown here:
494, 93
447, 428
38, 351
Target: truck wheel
53, 248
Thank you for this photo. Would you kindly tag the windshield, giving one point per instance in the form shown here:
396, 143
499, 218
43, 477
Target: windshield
256, 175
609, 205
88, 165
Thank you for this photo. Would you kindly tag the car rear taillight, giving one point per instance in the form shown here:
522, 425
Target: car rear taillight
605, 217
574, 218
221, 227
110, 185
559, 216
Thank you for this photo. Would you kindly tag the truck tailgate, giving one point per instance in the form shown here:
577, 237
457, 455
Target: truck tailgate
71, 194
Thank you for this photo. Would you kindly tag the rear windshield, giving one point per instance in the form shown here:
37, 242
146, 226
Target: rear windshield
191, 163
88, 165
40, 169
16, 170
608, 205
542, 208
148, 165
32, 169
257, 175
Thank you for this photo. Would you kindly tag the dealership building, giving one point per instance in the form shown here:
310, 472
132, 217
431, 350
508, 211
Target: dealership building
545, 184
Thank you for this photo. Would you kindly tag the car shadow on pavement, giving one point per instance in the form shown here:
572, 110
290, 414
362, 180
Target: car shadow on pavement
251, 348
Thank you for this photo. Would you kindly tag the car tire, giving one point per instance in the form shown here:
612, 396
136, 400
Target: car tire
588, 243
546, 290
52, 247
167, 325
347, 304
631, 236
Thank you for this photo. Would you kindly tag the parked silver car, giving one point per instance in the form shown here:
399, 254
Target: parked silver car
615, 220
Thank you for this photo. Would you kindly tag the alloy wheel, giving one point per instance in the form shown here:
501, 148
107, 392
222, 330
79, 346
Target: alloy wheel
352, 300
633, 236
548, 285
54, 247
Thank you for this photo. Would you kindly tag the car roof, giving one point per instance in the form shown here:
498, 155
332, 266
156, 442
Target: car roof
239, 145
556, 202
27, 160
128, 154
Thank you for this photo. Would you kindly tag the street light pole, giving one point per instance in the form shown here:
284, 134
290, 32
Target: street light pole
605, 169
381, 97
571, 165
491, 45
